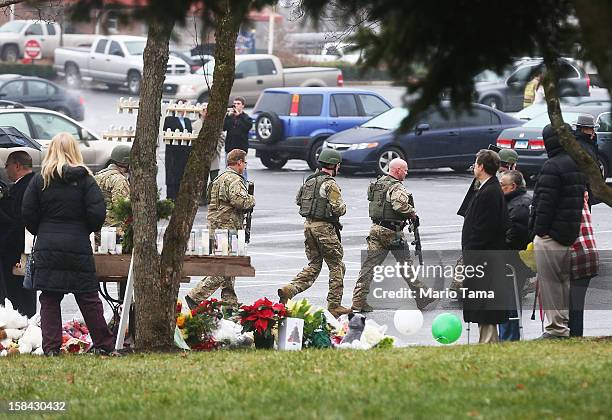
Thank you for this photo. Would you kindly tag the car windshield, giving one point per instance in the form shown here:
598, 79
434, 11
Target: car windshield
389, 120
543, 120
490, 76
14, 26
135, 47
277, 102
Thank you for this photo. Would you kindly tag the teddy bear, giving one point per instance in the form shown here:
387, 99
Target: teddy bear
356, 325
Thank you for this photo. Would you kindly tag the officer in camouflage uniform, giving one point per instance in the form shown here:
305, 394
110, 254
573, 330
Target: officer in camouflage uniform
321, 203
391, 205
114, 184
229, 199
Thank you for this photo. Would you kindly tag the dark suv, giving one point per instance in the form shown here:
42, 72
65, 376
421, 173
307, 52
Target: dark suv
505, 91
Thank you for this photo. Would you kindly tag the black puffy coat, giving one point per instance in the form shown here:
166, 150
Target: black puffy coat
559, 194
62, 216
517, 234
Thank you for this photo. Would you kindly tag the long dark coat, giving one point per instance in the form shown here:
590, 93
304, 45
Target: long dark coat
483, 242
62, 216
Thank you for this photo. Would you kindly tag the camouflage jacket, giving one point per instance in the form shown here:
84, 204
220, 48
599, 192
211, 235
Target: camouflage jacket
229, 199
114, 186
401, 200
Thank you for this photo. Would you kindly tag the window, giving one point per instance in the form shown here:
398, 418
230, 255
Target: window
605, 123
475, 118
51, 29
47, 126
101, 46
115, 49
437, 121
310, 105
276, 102
34, 29
266, 67
344, 105
12, 90
567, 71
17, 120
40, 89
247, 68
372, 105
523, 74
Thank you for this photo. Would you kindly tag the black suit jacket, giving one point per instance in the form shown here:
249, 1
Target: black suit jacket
12, 227
174, 123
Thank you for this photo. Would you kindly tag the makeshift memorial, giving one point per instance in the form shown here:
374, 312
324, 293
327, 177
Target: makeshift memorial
198, 325
260, 318
446, 328
316, 329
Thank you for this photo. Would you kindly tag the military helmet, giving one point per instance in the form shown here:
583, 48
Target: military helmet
121, 154
508, 155
330, 156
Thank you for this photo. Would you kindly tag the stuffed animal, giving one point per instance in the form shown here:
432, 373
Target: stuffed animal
356, 325
10, 318
31, 338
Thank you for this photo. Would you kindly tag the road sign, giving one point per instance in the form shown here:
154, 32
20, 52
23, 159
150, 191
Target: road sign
32, 49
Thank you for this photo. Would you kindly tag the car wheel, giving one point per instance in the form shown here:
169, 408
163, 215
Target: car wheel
272, 162
603, 167
385, 157
268, 127
494, 102
73, 76
63, 111
10, 53
204, 98
313, 155
133, 81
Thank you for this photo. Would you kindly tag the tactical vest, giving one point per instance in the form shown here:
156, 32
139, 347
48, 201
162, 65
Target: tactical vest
312, 204
381, 210
213, 191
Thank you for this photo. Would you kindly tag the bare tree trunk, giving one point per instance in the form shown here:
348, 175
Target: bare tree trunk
586, 164
154, 294
230, 16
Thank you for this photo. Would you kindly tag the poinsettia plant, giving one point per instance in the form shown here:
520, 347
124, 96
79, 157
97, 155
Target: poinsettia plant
261, 316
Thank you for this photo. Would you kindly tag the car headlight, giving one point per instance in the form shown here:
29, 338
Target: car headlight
361, 146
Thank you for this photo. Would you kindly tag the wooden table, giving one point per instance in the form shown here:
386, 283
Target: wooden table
114, 268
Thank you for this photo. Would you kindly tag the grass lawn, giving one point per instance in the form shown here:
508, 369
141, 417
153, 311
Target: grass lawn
568, 379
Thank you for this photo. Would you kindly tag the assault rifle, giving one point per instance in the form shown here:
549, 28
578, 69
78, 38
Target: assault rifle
249, 215
414, 226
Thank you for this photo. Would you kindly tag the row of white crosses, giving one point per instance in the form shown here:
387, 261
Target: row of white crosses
183, 138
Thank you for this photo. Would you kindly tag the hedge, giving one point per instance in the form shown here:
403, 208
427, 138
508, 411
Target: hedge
45, 71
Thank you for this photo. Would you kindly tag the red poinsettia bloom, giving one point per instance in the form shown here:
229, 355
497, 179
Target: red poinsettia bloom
261, 325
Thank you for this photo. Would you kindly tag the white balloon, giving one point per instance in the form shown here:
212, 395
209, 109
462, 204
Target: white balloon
408, 322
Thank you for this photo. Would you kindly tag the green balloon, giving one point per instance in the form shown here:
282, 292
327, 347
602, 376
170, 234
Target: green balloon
446, 328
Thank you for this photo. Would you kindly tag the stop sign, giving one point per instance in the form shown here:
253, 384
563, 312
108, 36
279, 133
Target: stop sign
32, 49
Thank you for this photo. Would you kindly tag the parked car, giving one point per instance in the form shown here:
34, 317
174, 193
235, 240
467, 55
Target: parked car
293, 123
588, 103
254, 73
195, 61
437, 141
14, 34
34, 91
42, 125
528, 142
505, 91
335, 51
115, 60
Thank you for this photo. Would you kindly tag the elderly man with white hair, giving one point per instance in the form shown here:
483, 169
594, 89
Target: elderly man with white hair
391, 206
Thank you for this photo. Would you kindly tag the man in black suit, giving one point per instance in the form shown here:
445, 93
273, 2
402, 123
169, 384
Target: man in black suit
176, 156
482, 242
19, 170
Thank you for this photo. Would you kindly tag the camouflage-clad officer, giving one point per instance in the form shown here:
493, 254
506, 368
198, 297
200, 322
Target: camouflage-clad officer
113, 181
321, 203
391, 205
229, 199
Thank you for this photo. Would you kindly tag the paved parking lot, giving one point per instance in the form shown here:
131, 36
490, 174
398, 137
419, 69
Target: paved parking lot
277, 240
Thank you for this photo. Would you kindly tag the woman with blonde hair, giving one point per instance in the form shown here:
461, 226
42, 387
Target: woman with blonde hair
62, 206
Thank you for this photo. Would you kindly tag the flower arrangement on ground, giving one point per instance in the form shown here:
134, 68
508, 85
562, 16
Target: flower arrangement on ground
260, 318
122, 210
198, 325
316, 329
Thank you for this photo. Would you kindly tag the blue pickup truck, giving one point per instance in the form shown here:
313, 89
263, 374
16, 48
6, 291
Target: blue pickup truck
293, 123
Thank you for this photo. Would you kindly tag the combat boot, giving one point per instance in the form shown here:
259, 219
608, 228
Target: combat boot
424, 301
338, 310
362, 306
284, 294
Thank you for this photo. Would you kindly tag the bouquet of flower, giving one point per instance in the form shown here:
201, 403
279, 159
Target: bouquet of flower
122, 210
198, 325
261, 316
316, 329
